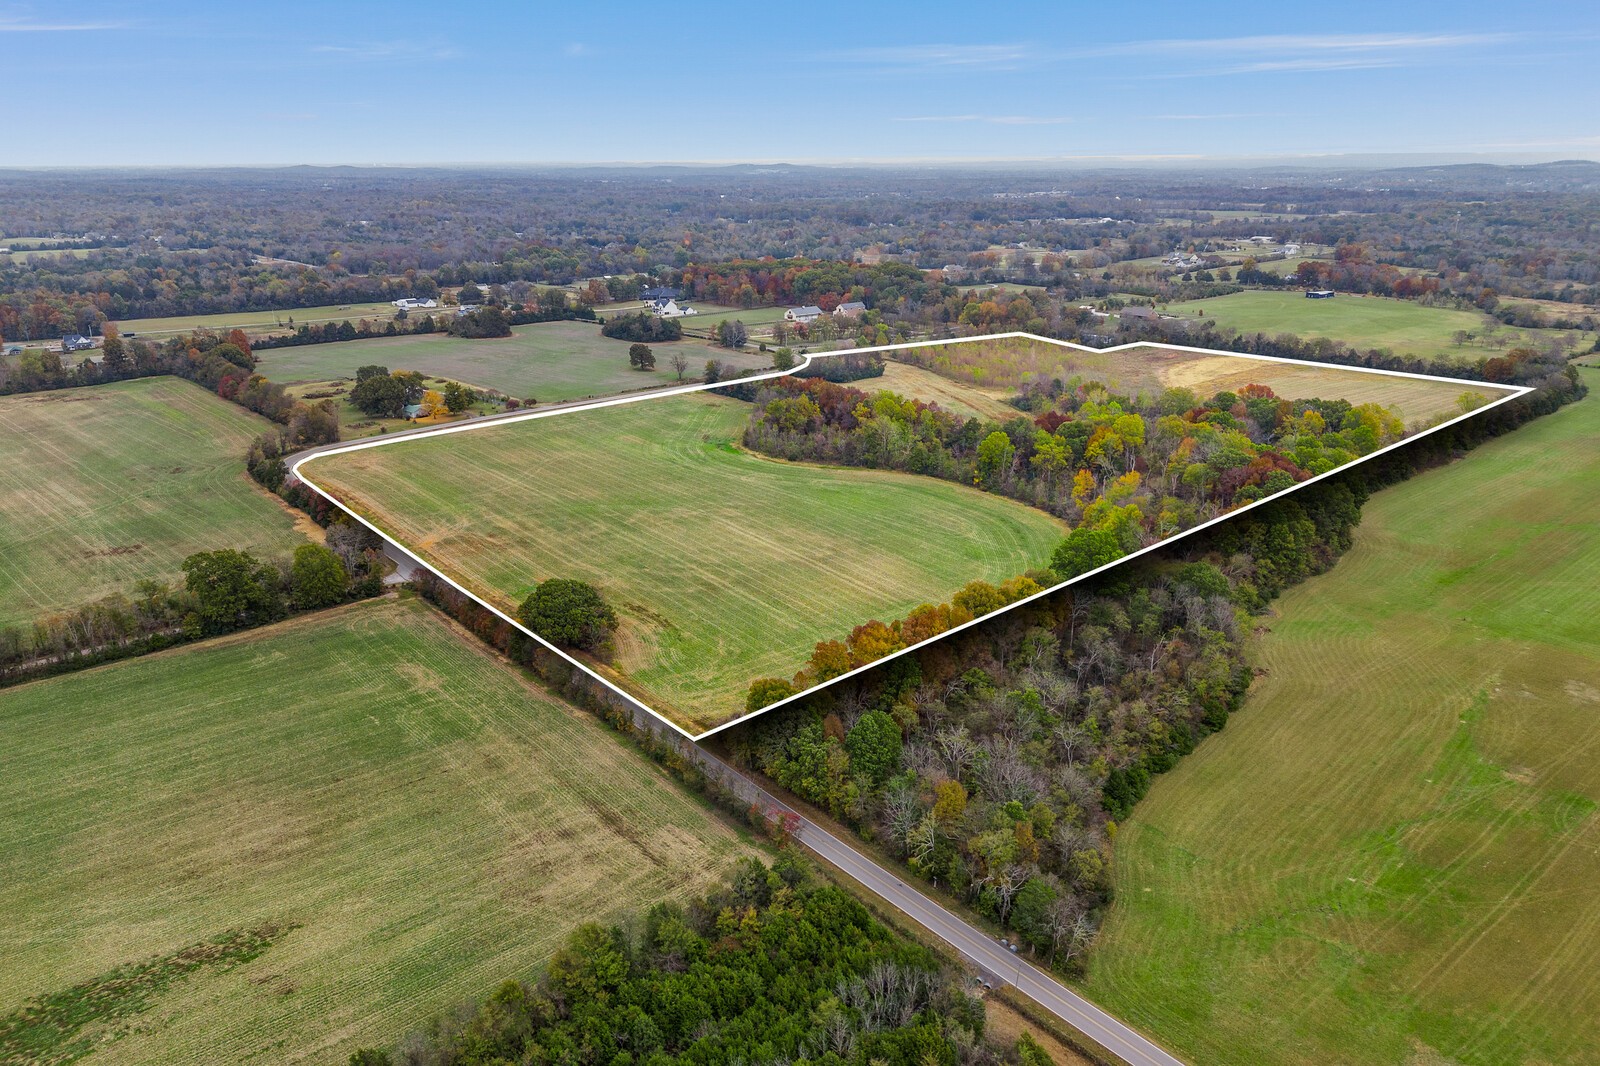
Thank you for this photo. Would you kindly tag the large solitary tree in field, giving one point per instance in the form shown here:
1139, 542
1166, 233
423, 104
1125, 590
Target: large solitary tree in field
640, 357
569, 612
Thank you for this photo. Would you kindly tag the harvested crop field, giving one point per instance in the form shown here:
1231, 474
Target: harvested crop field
725, 566
413, 818
103, 486
998, 368
1389, 856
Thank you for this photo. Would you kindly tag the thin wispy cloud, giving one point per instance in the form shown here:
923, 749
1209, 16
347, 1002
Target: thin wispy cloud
1291, 66
381, 50
971, 56
576, 49
1277, 44
22, 25
1217, 117
992, 120
1190, 56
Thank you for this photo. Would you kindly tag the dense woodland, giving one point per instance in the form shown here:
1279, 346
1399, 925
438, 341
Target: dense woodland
1139, 468
997, 762
773, 967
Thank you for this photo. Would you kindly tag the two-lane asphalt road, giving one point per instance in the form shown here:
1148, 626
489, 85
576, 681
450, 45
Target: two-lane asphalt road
977, 947
974, 945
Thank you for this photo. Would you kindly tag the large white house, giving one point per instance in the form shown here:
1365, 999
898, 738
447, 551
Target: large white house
672, 309
414, 303
808, 313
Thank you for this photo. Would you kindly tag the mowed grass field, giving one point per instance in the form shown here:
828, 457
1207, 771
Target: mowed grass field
258, 322
985, 373
724, 566
427, 821
1403, 326
550, 361
103, 486
929, 387
1390, 855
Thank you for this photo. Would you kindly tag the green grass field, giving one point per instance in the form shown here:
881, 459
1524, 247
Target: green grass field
1402, 326
551, 361
725, 566
103, 486
993, 370
1390, 855
257, 322
427, 821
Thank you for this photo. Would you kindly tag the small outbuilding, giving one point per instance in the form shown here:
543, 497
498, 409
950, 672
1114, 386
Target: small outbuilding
1319, 294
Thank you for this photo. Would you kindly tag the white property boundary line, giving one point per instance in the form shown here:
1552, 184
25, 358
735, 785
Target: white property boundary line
1512, 392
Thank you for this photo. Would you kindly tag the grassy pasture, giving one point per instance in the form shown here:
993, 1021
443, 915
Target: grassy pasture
103, 486
710, 315
551, 361
998, 368
355, 423
1389, 856
258, 322
925, 385
1403, 326
427, 821
724, 566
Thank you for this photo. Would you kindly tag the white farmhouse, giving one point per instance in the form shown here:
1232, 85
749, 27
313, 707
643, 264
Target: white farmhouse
808, 313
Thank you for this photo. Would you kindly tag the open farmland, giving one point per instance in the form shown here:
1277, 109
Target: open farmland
929, 387
257, 323
1402, 326
1390, 854
995, 369
724, 566
550, 361
103, 486
420, 817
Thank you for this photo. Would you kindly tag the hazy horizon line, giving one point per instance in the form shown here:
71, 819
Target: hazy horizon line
1135, 160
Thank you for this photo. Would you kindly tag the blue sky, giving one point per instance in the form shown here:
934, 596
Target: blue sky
227, 81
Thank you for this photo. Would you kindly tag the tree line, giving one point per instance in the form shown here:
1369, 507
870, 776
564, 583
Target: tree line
222, 364
772, 966
223, 590
997, 762
1130, 469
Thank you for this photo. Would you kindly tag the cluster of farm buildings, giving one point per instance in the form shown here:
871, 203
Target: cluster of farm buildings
663, 301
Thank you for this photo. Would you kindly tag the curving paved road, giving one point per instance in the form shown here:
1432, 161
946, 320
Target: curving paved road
973, 944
